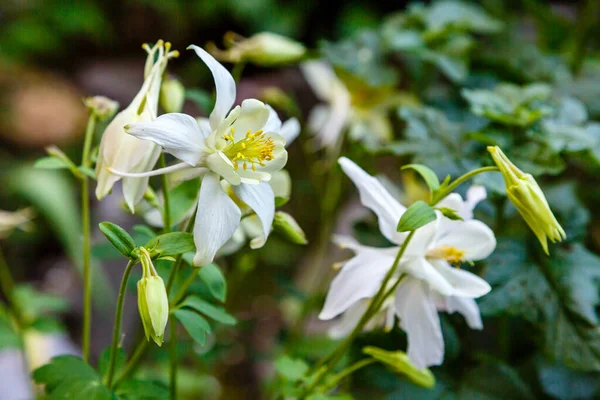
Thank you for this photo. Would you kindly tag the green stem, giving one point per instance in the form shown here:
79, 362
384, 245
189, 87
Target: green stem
85, 221
184, 287
585, 20
348, 371
134, 361
167, 202
7, 284
117, 325
173, 357
332, 359
438, 196
236, 71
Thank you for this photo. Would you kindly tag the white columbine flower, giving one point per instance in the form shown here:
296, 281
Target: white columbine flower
431, 283
244, 146
123, 152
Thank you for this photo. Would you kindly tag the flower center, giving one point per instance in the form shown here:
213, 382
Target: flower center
253, 149
448, 253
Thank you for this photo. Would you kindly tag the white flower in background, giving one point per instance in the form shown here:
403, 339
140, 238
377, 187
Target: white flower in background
11, 220
349, 104
431, 283
126, 153
244, 146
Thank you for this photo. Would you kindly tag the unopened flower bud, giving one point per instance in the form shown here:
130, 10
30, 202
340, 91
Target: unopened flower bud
153, 302
103, 107
287, 225
264, 48
526, 195
172, 95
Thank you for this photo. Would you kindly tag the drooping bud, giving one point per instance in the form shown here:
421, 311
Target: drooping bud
153, 302
123, 152
172, 95
526, 195
265, 48
103, 107
287, 225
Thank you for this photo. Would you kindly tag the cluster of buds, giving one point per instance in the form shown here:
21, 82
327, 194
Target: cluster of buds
153, 302
527, 197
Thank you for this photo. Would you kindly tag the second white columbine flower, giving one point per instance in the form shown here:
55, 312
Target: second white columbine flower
244, 146
430, 281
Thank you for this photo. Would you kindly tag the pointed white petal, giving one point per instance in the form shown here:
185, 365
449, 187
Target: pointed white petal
359, 278
419, 319
262, 200
464, 283
216, 220
290, 130
374, 196
225, 87
423, 238
475, 195
473, 237
253, 117
421, 268
465, 306
178, 134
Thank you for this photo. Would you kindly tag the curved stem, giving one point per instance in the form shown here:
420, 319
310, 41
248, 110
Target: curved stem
85, 221
350, 370
117, 324
458, 181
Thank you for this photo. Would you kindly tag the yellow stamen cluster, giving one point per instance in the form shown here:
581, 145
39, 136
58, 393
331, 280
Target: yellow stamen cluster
448, 253
253, 149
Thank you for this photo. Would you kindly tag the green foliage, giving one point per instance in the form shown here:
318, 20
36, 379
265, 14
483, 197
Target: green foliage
196, 325
118, 237
212, 311
428, 175
171, 244
400, 364
416, 216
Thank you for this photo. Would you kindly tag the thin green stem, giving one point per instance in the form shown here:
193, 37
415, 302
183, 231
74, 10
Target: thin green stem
184, 287
236, 71
167, 202
458, 181
7, 284
117, 324
348, 371
134, 361
173, 357
85, 222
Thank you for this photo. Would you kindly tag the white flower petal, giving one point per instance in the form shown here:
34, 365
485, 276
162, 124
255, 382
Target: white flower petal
359, 278
225, 87
281, 183
135, 188
348, 320
475, 195
253, 117
423, 238
419, 319
318, 117
374, 196
273, 124
290, 130
178, 134
422, 269
473, 237
465, 306
262, 200
219, 163
216, 220
464, 283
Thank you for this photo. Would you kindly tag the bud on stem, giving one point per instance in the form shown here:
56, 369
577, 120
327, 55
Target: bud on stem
153, 302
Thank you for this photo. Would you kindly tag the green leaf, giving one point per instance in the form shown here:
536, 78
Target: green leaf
118, 237
203, 100
416, 216
104, 360
194, 324
183, 198
69, 377
217, 313
88, 171
428, 175
9, 337
558, 295
399, 363
33, 303
449, 213
171, 244
50, 163
292, 369
142, 390
494, 381
213, 278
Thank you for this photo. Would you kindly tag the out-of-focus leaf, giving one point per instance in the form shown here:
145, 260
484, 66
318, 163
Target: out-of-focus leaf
104, 361
136, 389
428, 175
212, 277
9, 337
559, 296
292, 369
194, 324
202, 99
212, 311
33, 303
565, 384
494, 381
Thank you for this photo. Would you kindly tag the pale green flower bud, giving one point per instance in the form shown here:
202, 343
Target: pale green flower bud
103, 107
287, 225
172, 95
524, 192
264, 48
153, 302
